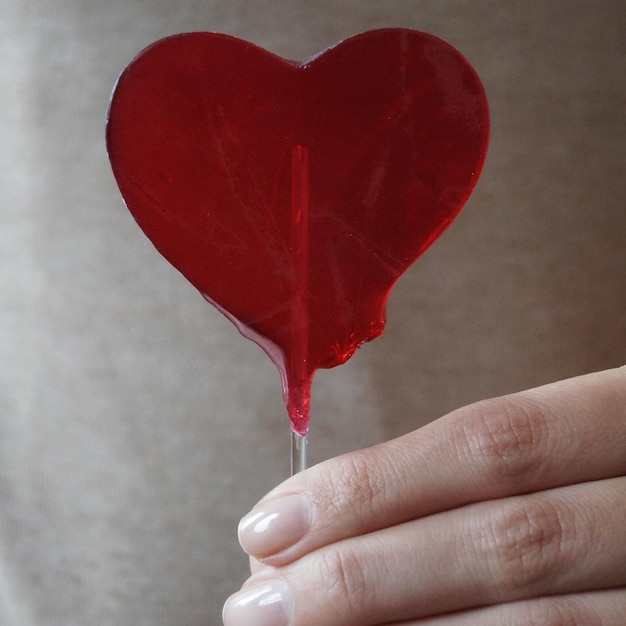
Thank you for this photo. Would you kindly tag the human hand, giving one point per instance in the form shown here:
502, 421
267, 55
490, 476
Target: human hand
510, 511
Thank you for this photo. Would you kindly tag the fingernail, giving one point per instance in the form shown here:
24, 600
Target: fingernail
275, 525
265, 604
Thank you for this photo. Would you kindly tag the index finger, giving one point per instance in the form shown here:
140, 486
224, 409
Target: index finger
564, 433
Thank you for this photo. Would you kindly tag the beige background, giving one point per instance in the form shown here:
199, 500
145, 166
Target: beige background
137, 426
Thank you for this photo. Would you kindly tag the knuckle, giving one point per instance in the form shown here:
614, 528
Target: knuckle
352, 484
510, 436
527, 542
344, 580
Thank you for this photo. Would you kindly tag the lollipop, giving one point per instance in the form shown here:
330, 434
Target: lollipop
294, 195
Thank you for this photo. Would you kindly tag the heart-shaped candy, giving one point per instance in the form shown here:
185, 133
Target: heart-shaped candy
293, 195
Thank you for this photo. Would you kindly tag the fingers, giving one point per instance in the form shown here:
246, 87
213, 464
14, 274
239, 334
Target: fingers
256, 566
566, 540
606, 608
564, 433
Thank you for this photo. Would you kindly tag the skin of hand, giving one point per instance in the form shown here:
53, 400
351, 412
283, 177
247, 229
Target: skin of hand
511, 511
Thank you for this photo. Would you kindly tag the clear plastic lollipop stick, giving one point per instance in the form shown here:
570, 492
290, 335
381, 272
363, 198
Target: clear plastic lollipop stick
300, 388
298, 452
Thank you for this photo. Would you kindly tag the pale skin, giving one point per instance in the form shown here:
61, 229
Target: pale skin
508, 512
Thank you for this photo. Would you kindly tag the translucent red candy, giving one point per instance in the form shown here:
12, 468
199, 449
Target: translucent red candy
293, 195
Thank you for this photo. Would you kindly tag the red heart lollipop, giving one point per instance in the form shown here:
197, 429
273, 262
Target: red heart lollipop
293, 195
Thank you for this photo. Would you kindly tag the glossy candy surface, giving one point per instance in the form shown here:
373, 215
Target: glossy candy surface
294, 195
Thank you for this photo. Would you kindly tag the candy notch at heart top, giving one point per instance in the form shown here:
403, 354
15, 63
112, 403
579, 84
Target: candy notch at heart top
294, 195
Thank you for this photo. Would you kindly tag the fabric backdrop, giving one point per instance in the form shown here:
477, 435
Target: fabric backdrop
137, 425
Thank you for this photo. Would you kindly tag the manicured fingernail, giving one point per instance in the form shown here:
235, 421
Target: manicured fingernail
265, 604
275, 525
